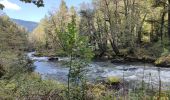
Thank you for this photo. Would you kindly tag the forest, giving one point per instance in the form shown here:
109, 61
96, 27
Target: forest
135, 30
103, 50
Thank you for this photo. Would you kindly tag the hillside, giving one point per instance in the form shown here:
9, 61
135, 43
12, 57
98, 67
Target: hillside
29, 25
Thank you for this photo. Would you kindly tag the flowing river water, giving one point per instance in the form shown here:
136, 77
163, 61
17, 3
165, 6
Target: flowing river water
132, 72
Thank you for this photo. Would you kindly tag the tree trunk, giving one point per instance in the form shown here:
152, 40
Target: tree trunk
112, 40
162, 24
151, 33
169, 19
114, 47
101, 42
140, 30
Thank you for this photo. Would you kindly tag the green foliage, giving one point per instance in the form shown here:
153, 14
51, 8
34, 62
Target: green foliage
77, 49
165, 52
120, 24
132, 25
1, 6
96, 91
14, 65
39, 3
28, 85
12, 35
12, 46
45, 35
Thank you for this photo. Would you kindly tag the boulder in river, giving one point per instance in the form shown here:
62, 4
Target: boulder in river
53, 59
163, 61
114, 82
129, 69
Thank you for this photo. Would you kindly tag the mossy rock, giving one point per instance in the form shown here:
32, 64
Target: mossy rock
113, 80
38, 54
163, 61
113, 83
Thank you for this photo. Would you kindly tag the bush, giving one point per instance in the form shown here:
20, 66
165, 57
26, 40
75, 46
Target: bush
28, 85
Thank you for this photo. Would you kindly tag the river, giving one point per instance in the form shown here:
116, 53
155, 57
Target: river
132, 72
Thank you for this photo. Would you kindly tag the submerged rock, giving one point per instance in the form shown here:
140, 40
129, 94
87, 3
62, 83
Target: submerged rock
129, 69
53, 59
118, 60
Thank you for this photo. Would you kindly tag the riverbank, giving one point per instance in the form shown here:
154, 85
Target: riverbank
157, 57
163, 61
154, 54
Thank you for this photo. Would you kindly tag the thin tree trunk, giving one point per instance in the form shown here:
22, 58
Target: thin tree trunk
140, 30
162, 24
169, 19
68, 81
152, 31
102, 43
114, 47
160, 85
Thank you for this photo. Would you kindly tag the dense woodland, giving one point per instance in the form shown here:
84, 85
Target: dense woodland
132, 29
119, 31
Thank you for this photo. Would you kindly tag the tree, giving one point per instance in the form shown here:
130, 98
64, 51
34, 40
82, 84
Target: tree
61, 19
101, 30
105, 7
62, 16
77, 49
13, 44
164, 3
57, 19
73, 11
87, 24
38, 37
